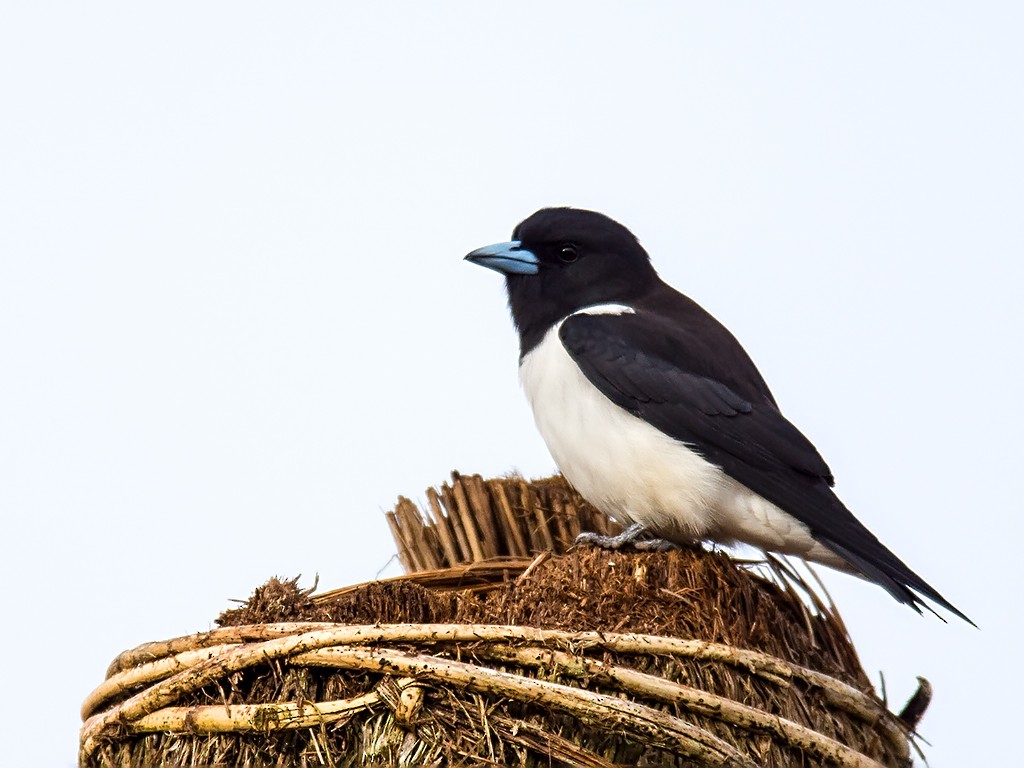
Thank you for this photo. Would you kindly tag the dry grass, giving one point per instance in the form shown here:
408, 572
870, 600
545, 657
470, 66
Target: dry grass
589, 658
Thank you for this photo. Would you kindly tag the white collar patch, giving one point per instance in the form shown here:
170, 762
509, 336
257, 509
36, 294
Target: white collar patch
605, 309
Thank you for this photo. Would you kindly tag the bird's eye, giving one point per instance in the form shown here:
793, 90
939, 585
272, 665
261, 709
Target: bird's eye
567, 254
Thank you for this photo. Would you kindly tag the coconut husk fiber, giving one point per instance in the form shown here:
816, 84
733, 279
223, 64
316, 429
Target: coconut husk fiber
504, 647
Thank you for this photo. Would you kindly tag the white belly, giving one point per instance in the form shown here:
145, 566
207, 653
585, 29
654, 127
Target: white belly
635, 473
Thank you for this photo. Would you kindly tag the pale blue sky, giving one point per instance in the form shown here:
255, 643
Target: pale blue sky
235, 324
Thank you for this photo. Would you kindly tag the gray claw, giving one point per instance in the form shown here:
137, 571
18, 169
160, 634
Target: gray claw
636, 534
655, 545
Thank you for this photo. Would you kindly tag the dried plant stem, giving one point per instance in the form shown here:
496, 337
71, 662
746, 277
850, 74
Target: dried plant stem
485, 575
651, 725
468, 518
403, 547
516, 542
249, 718
378, 692
690, 699
159, 669
192, 679
547, 743
839, 694
542, 530
444, 528
638, 719
471, 519
251, 633
306, 636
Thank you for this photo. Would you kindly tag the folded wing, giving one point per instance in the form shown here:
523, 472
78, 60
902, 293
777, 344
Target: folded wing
652, 370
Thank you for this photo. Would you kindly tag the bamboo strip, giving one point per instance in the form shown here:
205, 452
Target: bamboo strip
472, 519
565, 539
396, 534
542, 530
418, 537
483, 514
517, 544
432, 544
506, 544
572, 520
451, 508
410, 530
444, 528
468, 521
410, 526
429, 542
428, 539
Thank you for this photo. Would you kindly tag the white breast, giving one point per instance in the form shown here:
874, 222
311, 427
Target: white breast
635, 473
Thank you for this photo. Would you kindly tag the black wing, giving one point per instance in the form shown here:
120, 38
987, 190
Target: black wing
642, 364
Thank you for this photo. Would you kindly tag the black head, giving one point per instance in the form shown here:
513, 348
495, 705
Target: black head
563, 259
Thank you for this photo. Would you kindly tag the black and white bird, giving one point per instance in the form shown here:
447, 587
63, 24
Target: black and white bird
656, 414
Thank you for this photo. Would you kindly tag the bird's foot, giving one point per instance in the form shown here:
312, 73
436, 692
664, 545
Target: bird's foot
636, 535
654, 544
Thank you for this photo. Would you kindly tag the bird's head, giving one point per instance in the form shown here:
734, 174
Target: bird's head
563, 259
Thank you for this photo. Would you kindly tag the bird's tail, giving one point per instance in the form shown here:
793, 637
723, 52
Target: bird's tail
896, 577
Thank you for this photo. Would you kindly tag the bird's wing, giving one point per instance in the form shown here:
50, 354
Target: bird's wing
642, 365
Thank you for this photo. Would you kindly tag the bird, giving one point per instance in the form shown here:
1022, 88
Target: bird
658, 417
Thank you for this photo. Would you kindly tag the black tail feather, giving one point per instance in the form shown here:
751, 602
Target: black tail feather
898, 580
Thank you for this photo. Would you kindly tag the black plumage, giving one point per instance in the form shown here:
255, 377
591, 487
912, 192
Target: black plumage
668, 362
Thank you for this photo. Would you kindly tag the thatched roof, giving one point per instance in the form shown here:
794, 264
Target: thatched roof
524, 657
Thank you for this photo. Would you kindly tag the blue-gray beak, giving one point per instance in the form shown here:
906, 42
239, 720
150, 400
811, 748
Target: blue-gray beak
508, 258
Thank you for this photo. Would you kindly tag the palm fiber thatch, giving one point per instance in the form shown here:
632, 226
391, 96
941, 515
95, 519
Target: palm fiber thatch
502, 648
